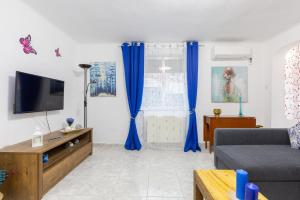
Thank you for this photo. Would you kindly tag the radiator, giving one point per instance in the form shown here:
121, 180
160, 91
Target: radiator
164, 129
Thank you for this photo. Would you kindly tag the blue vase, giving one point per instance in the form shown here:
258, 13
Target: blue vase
241, 108
70, 121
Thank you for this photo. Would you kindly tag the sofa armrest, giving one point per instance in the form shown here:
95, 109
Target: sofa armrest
251, 136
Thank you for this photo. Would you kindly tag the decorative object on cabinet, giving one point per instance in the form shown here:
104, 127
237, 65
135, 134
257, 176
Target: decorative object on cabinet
77, 141
68, 130
228, 84
70, 121
103, 79
3, 175
241, 107
210, 123
70, 144
78, 126
217, 112
37, 138
45, 158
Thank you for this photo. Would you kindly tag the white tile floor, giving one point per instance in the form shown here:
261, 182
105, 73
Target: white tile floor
113, 173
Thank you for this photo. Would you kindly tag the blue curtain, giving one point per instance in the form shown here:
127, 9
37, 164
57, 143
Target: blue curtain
191, 142
133, 58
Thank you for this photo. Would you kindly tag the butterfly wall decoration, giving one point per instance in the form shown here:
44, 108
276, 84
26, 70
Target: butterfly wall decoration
26, 43
57, 53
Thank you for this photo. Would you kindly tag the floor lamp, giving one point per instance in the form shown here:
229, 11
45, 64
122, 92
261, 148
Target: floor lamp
85, 67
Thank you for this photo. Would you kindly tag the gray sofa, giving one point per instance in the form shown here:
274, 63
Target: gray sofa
266, 154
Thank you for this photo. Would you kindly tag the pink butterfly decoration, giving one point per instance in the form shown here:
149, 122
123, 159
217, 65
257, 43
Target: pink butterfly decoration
57, 53
27, 48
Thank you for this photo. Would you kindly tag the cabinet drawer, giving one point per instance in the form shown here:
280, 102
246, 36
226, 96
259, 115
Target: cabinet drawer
55, 173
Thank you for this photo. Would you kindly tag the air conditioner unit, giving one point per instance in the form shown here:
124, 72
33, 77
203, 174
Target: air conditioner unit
220, 53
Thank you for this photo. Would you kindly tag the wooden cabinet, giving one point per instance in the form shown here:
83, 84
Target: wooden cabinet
28, 177
210, 123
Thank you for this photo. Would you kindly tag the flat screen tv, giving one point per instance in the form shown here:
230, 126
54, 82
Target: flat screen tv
36, 93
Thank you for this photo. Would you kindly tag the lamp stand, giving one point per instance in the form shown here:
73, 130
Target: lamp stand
85, 67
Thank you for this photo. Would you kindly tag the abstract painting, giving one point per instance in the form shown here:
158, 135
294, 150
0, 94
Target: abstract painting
228, 84
103, 79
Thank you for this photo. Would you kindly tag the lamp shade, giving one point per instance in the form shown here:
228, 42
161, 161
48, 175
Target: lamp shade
85, 66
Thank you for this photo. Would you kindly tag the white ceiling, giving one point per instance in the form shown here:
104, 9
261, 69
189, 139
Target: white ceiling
169, 20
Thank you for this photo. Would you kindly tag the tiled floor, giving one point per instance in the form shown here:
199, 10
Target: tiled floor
113, 173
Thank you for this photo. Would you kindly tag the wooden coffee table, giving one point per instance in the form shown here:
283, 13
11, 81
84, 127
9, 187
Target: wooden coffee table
216, 185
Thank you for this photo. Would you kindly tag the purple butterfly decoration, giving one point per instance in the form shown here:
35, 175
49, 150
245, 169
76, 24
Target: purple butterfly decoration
27, 48
57, 53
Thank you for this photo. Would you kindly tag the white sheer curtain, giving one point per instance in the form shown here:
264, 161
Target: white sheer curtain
165, 96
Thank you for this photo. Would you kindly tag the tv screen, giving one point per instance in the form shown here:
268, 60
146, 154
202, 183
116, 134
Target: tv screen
36, 93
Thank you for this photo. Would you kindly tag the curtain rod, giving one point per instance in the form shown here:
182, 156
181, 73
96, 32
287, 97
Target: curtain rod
170, 44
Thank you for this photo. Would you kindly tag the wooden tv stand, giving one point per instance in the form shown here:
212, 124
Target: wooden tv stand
28, 177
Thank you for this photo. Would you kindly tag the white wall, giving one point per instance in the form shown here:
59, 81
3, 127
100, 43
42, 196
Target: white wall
109, 116
18, 20
257, 86
275, 50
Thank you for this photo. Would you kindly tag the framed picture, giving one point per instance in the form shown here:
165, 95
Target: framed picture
228, 84
103, 79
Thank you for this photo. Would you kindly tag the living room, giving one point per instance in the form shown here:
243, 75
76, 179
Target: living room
140, 87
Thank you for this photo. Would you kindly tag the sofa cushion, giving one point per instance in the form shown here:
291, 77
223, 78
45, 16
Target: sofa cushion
294, 134
263, 162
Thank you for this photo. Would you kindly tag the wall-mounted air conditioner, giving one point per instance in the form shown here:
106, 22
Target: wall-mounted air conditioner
223, 53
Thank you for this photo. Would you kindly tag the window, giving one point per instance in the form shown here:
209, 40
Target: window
292, 83
164, 97
165, 78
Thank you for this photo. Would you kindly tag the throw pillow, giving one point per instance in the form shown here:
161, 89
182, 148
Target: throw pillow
294, 134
